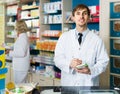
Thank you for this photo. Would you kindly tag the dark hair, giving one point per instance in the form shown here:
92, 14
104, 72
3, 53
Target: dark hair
80, 6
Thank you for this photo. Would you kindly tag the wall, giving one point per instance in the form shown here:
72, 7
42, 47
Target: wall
87, 2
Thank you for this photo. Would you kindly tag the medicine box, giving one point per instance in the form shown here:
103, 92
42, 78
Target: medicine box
115, 64
115, 46
115, 28
114, 81
115, 10
2, 86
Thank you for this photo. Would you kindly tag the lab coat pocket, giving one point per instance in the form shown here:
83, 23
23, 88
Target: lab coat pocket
89, 80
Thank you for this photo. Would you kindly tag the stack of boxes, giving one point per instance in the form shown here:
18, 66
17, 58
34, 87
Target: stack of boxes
114, 44
94, 11
54, 11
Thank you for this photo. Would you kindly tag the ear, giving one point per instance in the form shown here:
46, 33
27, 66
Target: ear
89, 18
73, 18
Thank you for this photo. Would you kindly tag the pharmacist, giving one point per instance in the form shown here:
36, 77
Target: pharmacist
81, 62
20, 53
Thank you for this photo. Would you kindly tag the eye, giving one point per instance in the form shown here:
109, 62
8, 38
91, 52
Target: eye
77, 13
85, 13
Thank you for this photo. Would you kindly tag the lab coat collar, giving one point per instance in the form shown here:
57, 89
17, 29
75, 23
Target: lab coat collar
21, 34
84, 33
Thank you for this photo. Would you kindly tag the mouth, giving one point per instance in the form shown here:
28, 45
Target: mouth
81, 20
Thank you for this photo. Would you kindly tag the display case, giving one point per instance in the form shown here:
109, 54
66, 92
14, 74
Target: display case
114, 44
50, 31
29, 11
11, 17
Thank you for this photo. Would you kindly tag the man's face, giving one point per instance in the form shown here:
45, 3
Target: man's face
81, 17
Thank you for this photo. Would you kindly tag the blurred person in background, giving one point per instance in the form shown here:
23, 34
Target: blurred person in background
20, 53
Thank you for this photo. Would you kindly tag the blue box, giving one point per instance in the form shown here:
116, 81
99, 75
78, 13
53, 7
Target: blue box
2, 84
115, 46
115, 10
3, 71
115, 65
114, 81
115, 28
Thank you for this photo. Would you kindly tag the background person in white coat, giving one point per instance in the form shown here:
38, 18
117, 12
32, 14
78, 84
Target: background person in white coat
20, 53
69, 54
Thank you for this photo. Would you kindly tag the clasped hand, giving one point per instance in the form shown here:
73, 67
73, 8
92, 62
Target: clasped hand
76, 62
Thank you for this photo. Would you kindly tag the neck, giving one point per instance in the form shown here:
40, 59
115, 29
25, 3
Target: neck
81, 28
18, 34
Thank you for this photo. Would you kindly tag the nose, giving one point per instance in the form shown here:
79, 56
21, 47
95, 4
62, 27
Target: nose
81, 16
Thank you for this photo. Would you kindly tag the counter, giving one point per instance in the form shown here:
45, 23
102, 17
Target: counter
75, 90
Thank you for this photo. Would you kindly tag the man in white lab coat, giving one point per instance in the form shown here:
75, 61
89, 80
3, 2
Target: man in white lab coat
91, 51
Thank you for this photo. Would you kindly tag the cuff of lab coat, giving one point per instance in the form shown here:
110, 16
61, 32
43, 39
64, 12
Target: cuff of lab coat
72, 71
11, 53
92, 72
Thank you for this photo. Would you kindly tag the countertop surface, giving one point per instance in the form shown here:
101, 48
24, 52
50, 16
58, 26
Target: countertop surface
74, 90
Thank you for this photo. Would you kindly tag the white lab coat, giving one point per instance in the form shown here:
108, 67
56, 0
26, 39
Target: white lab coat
21, 56
92, 51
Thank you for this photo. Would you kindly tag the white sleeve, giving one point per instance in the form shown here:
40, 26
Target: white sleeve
101, 60
20, 47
